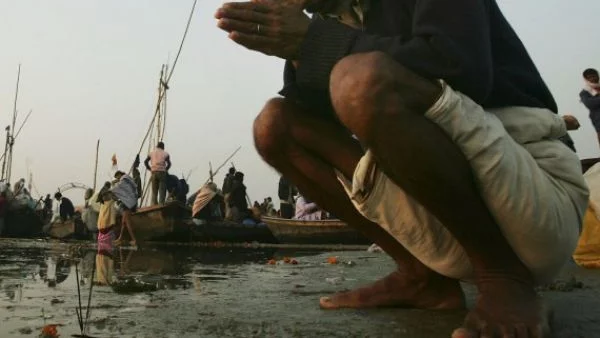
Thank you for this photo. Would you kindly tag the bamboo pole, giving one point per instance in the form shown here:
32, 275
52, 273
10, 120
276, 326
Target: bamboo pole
96, 165
14, 121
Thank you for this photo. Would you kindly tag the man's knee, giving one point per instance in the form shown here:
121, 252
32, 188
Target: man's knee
270, 129
361, 86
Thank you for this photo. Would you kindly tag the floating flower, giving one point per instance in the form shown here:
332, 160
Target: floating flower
49, 331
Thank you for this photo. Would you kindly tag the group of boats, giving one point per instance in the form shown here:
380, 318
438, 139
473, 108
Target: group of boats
173, 222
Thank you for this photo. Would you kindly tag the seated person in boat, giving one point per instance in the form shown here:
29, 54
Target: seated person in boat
177, 188
66, 210
307, 210
269, 207
455, 163
207, 204
124, 192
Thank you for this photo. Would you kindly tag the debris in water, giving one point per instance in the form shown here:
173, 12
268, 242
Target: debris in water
25, 330
56, 301
332, 260
49, 331
374, 248
334, 280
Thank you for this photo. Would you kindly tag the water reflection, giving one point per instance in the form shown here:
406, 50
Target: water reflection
38, 286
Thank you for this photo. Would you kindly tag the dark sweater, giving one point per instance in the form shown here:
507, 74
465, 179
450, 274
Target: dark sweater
591, 102
66, 209
469, 44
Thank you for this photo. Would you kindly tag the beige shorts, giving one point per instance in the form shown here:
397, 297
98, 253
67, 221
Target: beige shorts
530, 181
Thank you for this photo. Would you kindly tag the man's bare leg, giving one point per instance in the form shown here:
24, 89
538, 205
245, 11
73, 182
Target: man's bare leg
383, 104
297, 145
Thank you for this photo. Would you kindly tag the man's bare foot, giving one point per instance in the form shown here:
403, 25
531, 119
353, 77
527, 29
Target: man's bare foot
506, 309
399, 289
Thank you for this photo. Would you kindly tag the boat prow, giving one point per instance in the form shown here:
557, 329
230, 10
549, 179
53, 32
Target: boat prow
162, 222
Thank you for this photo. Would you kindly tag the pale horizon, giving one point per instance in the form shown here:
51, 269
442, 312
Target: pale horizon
90, 71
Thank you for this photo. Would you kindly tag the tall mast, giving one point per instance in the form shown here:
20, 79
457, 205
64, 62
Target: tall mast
14, 121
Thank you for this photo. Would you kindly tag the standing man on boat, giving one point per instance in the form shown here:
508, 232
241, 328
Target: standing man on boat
456, 162
227, 182
590, 97
159, 163
238, 203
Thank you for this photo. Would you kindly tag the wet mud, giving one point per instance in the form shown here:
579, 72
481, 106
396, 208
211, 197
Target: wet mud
179, 291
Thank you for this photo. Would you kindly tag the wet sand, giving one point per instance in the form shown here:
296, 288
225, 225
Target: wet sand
229, 292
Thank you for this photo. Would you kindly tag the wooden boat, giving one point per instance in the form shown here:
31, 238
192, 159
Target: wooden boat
69, 229
291, 231
23, 223
232, 232
62, 230
168, 222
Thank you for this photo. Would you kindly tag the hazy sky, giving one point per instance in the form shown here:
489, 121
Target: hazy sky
90, 71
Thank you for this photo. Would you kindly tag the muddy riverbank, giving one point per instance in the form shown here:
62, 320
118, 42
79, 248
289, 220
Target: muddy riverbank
228, 292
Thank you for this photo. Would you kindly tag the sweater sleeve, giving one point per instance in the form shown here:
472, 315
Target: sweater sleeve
589, 101
450, 40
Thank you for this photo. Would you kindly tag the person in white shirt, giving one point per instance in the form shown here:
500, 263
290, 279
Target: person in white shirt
307, 210
159, 163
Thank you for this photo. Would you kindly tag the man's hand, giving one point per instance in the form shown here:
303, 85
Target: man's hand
272, 27
571, 122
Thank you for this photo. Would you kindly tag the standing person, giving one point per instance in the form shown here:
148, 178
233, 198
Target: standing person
137, 176
590, 97
125, 195
286, 193
107, 217
237, 200
89, 214
226, 190
159, 163
456, 162
66, 208
47, 207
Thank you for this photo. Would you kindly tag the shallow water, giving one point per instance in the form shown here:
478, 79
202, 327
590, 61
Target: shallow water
224, 292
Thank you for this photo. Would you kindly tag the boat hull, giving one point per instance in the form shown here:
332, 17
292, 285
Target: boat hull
169, 222
231, 232
289, 231
22, 223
